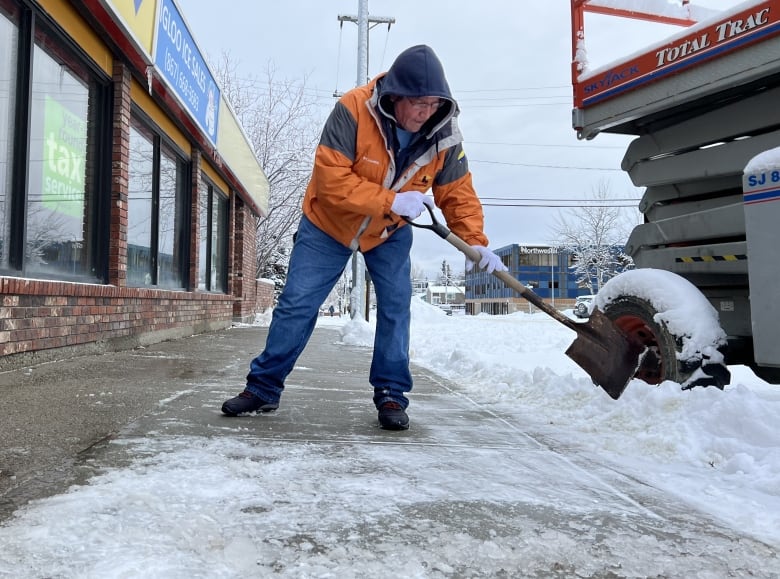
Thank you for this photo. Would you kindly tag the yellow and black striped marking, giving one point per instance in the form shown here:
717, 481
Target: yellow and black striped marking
710, 258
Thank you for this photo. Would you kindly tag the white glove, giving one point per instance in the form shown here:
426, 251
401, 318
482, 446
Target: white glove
489, 260
410, 204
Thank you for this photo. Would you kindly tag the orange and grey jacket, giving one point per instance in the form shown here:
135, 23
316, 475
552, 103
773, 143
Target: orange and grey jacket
356, 173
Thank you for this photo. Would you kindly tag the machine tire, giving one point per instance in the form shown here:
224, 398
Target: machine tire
636, 318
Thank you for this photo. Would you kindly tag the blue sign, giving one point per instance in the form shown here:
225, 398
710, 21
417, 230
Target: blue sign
177, 57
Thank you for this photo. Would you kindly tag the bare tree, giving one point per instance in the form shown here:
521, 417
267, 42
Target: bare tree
45, 228
281, 121
418, 273
595, 235
339, 295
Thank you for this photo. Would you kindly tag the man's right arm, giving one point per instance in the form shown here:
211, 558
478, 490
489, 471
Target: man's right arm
338, 183
340, 132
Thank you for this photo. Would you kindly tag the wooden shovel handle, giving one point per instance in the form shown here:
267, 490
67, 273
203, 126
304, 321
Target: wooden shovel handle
473, 255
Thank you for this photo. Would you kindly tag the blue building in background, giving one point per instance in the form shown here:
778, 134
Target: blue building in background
545, 269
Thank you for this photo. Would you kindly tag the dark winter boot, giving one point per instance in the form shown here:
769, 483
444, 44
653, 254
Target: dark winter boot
393, 417
246, 403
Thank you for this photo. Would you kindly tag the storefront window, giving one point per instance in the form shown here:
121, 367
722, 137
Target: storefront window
171, 225
8, 41
139, 213
212, 267
58, 199
54, 188
218, 243
204, 194
156, 254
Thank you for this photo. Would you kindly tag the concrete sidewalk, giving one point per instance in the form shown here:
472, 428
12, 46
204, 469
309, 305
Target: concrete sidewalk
56, 415
483, 497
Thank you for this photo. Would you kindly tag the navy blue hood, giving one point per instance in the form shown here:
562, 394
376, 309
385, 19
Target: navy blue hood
417, 72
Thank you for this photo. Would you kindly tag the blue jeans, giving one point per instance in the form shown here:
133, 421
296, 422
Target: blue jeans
316, 263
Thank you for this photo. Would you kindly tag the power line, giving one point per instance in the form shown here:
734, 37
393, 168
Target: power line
261, 82
563, 202
561, 205
581, 147
564, 199
520, 105
563, 86
515, 98
538, 166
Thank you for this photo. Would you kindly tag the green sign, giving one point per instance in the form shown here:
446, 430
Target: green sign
64, 160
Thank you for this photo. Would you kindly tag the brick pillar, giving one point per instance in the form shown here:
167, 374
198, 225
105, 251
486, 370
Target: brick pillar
120, 162
244, 260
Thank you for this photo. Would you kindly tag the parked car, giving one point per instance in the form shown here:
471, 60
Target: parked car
582, 306
447, 308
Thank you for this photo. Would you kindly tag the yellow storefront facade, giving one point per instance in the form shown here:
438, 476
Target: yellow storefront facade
128, 190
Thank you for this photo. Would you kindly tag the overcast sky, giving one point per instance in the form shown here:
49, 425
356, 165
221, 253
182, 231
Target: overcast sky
508, 65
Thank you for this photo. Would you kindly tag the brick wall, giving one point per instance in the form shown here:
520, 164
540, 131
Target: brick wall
244, 286
38, 316
43, 320
265, 294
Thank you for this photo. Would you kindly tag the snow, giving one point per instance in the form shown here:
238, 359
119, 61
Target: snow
639, 6
668, 8
764, 161
680, 306
176, 516
717, 449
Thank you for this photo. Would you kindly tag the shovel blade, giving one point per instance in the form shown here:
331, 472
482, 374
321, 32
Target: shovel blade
606, 354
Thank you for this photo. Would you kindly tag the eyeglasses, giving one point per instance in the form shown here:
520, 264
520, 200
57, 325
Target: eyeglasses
424, 105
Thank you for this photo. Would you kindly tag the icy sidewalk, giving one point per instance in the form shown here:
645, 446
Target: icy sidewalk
318, 490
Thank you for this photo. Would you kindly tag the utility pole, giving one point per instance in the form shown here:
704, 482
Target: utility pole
363, 20
359, 286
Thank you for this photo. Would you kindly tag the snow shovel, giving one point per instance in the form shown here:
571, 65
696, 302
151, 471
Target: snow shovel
601, 348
